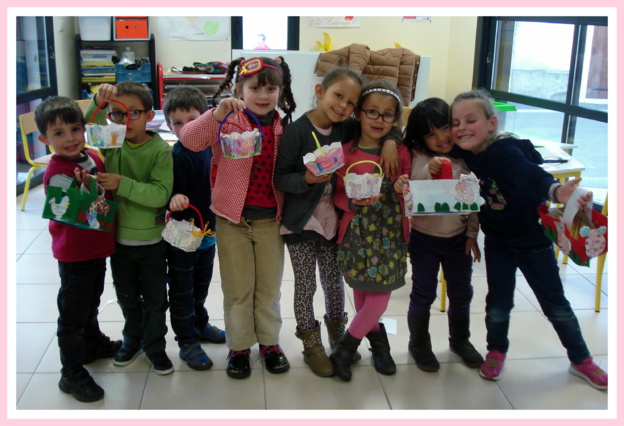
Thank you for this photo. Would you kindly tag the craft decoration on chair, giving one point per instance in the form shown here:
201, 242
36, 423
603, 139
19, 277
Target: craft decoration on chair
442, 195
324, 159
241, 145
111, 135
81, 207
183, 234
580, 234
362, 186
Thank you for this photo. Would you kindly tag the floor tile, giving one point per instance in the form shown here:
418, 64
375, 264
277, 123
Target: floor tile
32, 341
21, 382
25, 238
39, 268
36, 303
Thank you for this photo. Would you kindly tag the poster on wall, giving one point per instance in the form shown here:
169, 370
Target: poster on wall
194, 27
333, 21
417, 18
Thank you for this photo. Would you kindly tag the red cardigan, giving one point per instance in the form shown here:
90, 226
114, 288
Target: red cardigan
340, 197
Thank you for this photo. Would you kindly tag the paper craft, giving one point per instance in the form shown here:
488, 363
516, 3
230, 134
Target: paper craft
581, 235
324, 159
81, 207
241, 145
106, 136
183, 234
444, 196
365, 185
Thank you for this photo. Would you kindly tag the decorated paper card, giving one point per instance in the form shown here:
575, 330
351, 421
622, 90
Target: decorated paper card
106, 136
444, 196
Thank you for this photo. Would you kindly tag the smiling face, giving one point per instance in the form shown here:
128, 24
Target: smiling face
260, 100
135, 131
67, 139
471, 130
179, 117
439, 139
373, 130
336, 102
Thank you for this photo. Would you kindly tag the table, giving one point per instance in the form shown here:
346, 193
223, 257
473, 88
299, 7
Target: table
560, 171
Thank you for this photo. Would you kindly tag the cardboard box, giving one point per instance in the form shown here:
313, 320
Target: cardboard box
131, 28
95, 28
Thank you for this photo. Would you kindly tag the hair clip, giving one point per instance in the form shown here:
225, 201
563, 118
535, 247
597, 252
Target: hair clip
382, 90
253, 66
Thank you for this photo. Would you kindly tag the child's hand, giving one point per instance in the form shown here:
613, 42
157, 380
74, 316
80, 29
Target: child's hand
399, 182
82, 176
109, 181
435, 165
472, 245
106, 93
563, 192
178, 203
389, 159
227, 105
311, 179
366, 201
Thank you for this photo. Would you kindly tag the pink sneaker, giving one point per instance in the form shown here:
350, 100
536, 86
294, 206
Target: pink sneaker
492, 367
592, 374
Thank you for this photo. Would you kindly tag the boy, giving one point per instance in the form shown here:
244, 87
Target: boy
81, 253
190, 272
140, 175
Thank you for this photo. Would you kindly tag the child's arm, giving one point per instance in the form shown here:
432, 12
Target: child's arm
563, 192
472, 231
473, 246
178, 203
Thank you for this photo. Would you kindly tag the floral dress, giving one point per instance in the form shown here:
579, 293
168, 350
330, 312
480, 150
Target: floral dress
373, 254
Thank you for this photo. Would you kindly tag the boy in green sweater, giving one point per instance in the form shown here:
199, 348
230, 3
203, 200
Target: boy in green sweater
140, 175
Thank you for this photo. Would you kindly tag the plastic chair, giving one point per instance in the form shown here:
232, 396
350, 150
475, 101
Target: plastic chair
442, 292
28, 126
601, 262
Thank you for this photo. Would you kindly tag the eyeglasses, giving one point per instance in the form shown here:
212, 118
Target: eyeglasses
374, 115
117, 116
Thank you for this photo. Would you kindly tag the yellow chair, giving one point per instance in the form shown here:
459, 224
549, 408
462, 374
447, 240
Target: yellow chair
601, 262
28, 126
442, 292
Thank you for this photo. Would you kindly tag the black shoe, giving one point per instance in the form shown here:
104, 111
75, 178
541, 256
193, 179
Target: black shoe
125, 355
274, 359
103, 347
161, 362
238, 364
81, 386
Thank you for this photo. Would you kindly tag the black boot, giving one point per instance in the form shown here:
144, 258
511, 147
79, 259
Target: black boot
459, 330
335, 331
420, 344
342, 356
380, 348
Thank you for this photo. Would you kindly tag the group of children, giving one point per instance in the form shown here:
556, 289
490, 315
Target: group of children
259, 203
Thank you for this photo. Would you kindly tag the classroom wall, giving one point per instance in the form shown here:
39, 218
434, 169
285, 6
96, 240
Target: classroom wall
450, 41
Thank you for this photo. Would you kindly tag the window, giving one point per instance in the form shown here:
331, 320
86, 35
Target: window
252, 32
554, 70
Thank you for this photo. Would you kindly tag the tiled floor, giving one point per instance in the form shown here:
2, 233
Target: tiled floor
535, 375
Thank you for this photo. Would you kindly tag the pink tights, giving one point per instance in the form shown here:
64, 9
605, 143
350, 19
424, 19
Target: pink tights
370, 306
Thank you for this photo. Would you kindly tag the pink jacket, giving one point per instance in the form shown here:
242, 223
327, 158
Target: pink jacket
232, 178
340, 197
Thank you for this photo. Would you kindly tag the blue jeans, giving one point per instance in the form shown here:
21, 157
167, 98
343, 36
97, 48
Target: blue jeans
78, 300
189, 274
427, 253
140, 278
539, 267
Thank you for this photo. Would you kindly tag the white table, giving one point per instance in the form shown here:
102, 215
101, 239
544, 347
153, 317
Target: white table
561, 171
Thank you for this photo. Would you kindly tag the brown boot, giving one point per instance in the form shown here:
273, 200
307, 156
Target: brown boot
335, 332
314, 352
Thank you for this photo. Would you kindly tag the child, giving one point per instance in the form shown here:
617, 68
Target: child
514, 185
140, 174
373, 232
445, 240
310, 221
81, 253
190, 272
248, 209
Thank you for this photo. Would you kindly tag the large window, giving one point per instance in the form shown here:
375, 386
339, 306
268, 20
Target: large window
35, 80
554, 71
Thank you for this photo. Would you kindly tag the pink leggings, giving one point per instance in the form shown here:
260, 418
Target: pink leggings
370, 306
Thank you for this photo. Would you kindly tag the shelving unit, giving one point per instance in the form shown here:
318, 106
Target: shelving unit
141, 48
207, 83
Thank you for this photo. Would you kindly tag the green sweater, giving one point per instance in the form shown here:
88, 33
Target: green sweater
146, 183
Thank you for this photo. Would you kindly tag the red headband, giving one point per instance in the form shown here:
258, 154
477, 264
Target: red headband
255, 65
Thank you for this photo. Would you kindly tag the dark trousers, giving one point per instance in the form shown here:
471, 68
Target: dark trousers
140, 278
189, 275
427, 253
78, 300
539, 267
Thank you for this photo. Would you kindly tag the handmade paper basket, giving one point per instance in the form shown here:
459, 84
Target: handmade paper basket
324, 159
241, 145
106, 136
183, 234
362, 186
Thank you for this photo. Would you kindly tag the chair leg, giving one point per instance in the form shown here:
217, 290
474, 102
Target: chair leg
27, 186
442, 292
599, 271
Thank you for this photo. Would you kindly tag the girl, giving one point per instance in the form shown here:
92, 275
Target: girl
446, 239
248, 208
373, 232
310, 221
513, 185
